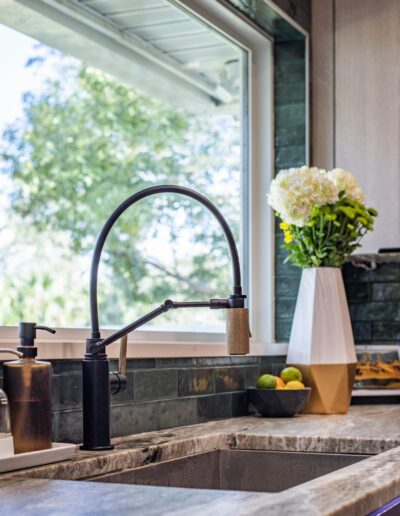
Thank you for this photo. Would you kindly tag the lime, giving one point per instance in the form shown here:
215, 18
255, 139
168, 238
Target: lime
266, 381
290, 374
294, 384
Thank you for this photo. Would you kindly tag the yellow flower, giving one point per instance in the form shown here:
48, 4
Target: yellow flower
288, 237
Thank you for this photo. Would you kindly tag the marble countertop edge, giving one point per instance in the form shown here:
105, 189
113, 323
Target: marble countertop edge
356, 489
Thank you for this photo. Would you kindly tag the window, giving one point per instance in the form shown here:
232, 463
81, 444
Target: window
103, 100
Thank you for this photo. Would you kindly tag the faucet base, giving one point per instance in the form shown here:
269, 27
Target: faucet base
96, 402
96, 448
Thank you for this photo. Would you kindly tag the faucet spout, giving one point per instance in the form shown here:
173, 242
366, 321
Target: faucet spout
96, 383
237, 284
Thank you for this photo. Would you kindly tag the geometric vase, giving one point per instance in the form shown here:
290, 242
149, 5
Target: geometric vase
321, 342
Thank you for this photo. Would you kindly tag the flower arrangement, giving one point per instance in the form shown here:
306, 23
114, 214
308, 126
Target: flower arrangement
323, 215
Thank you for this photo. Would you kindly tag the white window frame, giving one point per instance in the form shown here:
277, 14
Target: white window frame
69, 343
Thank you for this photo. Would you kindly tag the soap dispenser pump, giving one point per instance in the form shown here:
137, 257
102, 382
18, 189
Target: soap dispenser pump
27, 383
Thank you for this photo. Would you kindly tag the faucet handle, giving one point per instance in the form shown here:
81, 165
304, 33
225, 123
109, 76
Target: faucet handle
119, 380
123, 346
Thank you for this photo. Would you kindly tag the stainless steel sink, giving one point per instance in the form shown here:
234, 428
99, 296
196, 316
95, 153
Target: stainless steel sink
243, 470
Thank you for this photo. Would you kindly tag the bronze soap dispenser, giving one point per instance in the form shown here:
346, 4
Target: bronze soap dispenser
27, 383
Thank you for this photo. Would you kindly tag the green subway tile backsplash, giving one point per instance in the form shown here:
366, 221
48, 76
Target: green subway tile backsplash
175, 392
290, 151
155, 384
373, 295
161, 396
196, 382
215, 407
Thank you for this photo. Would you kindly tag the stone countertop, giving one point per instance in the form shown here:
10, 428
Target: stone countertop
354, 490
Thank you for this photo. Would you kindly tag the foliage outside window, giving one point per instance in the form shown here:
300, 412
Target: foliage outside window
83, 143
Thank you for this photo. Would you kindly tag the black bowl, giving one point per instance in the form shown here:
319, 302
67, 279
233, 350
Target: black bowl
279, 402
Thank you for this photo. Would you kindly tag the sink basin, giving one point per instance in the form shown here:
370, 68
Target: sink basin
243, 470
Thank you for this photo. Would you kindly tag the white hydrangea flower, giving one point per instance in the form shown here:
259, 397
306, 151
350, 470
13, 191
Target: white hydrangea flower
345, 181
295, 191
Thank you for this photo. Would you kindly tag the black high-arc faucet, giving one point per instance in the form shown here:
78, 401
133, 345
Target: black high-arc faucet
96, 374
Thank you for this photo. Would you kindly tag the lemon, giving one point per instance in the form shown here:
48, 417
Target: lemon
294, 384
290, 374
266, 381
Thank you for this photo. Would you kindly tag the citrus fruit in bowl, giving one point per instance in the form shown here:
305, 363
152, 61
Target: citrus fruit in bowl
280, 384
280, 396
281, 402
291, 374
267, 381
295, 384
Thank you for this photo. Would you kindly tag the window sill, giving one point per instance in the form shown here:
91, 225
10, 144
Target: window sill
70, 345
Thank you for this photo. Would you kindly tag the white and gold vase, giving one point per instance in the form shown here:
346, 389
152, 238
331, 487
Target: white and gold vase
321, 342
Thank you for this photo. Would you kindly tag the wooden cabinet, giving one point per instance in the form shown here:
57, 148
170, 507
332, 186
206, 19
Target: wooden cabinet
356, 102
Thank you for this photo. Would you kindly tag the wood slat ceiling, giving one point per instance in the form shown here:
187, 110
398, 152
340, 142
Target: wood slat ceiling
172, 31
